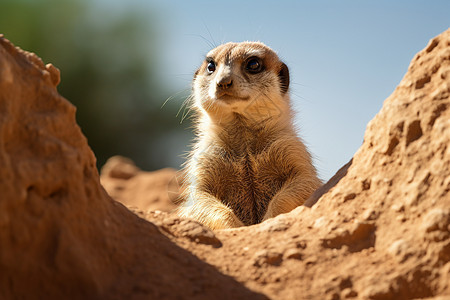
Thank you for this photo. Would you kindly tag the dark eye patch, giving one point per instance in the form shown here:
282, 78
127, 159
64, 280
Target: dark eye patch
254, 65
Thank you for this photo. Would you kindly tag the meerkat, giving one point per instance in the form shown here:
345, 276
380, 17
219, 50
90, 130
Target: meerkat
247, 164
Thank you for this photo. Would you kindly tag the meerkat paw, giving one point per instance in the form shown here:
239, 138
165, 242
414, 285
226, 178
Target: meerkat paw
269, 214
279, 206
223, 220
212, 213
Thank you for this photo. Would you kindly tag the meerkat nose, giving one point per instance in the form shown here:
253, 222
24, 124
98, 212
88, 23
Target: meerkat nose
225, 82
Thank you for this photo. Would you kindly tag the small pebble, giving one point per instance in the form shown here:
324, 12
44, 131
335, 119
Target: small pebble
263, 257
293, 253
436, 219
348, 293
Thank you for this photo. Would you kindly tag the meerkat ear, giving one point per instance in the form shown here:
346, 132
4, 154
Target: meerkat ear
283, 74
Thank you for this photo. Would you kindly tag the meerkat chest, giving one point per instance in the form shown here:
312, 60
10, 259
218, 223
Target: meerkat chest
245, 182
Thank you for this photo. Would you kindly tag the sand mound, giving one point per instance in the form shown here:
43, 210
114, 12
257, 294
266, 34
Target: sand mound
126, 183
379, 230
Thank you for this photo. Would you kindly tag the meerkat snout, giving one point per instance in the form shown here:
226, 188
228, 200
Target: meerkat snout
224, 82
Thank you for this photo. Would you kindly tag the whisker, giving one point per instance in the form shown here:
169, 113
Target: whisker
181, 107
211, 45
209, 32
173, 96
188, 108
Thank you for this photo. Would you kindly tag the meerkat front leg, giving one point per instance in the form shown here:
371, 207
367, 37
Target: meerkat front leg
291, 195
209, 211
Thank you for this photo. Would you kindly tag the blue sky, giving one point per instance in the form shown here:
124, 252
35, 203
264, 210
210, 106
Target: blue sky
345, 57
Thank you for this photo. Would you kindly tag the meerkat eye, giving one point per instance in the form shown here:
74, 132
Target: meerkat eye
254, 65
211, 67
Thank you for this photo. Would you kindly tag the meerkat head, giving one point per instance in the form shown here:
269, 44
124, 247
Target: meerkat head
246, 79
